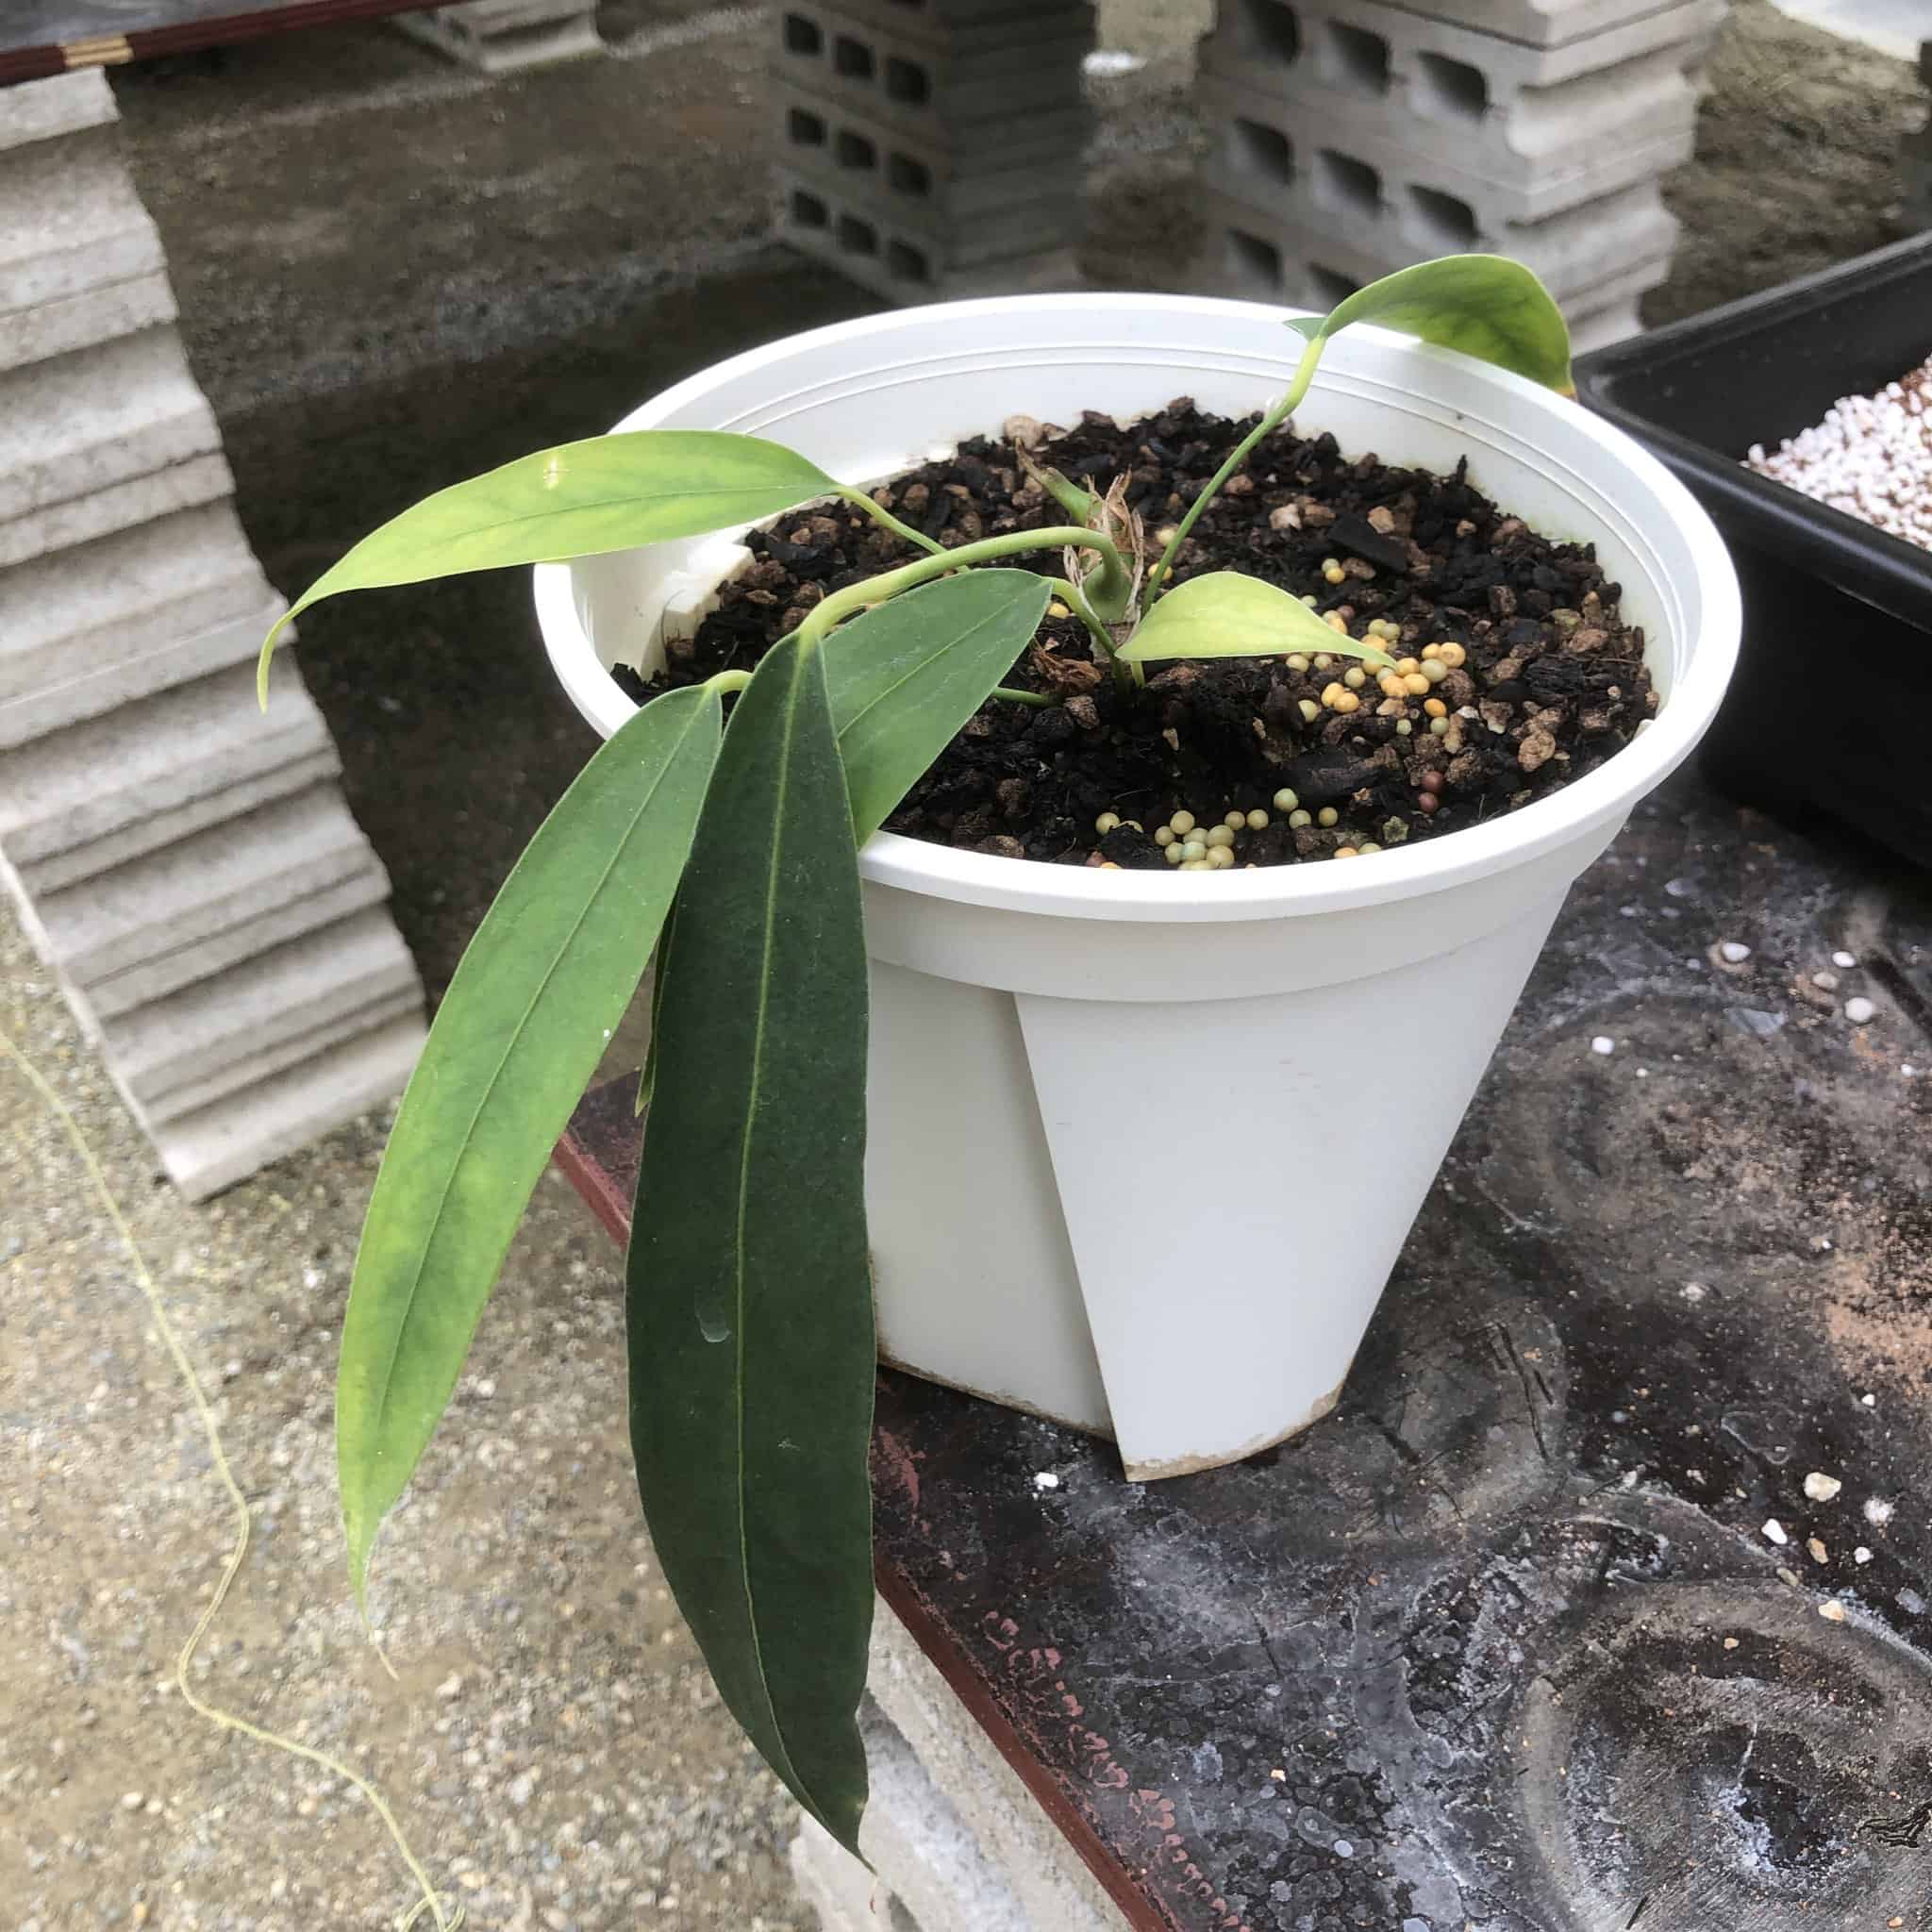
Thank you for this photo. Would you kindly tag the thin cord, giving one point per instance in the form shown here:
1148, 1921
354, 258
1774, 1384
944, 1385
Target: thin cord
429, 1902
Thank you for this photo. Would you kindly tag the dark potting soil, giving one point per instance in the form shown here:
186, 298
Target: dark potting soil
1552, 681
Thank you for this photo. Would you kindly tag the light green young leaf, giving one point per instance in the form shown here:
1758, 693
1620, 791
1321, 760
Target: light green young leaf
749, 1299
1226, 615
543, 983
907, 674
610, 492
1484, 305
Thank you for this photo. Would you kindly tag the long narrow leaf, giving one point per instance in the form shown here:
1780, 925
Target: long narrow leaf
610, 492
749, 1295
543, 983
904, 677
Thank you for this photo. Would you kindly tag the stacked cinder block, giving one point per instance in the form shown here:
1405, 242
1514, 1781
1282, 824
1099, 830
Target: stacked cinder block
955, 1841
504, 36
932, 148
1915, 158
1351, 138
186, 866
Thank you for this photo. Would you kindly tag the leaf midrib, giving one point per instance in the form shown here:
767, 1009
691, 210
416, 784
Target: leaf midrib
789, 1770
388, 1379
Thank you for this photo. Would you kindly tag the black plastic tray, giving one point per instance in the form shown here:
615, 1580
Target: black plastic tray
1823, 590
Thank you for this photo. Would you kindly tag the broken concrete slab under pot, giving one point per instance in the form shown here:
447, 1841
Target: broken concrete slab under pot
1040, 1034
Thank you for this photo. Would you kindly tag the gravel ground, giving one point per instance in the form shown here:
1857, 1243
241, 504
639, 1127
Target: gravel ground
393, 275
553, 1745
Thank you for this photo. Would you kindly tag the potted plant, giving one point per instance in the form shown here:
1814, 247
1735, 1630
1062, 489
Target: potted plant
1139, 1137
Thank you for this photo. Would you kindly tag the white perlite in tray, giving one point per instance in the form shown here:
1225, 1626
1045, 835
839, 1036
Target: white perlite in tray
1872, 457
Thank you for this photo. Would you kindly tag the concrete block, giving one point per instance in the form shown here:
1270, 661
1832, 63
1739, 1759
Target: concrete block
853, 61
169, 1046
1051, 1884
507, 36
214, 884
103, 687
92, 606
1536, 23
48, 110
925, 176
922, 1849
946, 28
79, 322
70, 221
107, 999
845, 1896
903, 261
1304, 166
206, 1151
1491, 108
147, 773
83, 423
81, 519
1577, 253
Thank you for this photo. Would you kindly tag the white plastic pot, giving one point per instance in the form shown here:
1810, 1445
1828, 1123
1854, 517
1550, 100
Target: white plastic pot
1054, 1048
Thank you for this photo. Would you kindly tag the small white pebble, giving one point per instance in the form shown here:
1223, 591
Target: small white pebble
451, 1686
1858, 1010
1734, 951
1822, 1487
1824, 982
132, 1801
1603, 1043
1870, 1400
1774, 1532
1862, 1554
1842, 960
1832, 1613
1046, 1480
1695, 1290
1343, 1849
1877, 1512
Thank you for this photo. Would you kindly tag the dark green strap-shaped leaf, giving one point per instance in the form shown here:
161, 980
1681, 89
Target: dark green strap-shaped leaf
1226, 615
542, 985
906, 674
902, 679
750, 1298
610, 492
1484, 305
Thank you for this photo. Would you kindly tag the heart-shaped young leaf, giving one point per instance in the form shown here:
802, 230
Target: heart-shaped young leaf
905, 675
749, 1304
1226, 615
532, 1006
1484, 305
609, 492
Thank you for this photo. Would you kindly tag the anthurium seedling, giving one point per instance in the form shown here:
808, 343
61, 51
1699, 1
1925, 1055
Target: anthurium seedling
730, 848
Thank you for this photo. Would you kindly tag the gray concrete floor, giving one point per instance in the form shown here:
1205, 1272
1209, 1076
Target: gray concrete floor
395, 274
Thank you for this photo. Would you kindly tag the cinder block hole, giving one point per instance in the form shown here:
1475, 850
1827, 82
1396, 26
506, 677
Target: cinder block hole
908, 175
802, 36
1326, 287
808, 211
1254, 266
1452, 88
857, 237
804, 131
853, 58
1265, 29
1359, 57
1442, 217
906, 263
854, 151
908, 81
1262, 153
1345, 184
